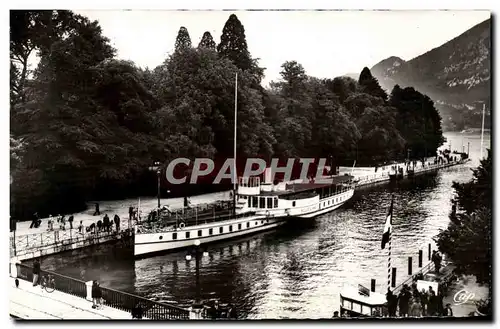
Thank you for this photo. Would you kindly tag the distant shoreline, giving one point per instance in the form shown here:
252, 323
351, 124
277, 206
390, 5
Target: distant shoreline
469, 130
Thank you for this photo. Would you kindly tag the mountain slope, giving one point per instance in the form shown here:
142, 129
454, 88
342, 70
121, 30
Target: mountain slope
455, 75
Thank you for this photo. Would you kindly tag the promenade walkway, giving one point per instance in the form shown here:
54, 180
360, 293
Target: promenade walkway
33, 303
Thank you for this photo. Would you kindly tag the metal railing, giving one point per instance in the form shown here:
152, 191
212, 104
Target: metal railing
112, 298
151, 309
62, 283
26, 243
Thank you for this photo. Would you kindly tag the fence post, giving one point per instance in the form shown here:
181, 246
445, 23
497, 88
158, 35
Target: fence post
409, 265
420, 256
89, 289
373, 285
429, 251
393, 278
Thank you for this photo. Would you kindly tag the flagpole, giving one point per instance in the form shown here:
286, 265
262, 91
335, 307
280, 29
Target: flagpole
390, 245
234, 142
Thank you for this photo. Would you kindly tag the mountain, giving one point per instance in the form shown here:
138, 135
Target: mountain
456, 75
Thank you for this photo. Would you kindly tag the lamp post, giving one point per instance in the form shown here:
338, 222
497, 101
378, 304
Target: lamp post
157, 168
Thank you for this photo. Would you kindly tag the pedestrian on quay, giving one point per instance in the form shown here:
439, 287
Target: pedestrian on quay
404, 301
63, 222
99, 225
97, 212
448, 311
116, 219
137, 311
423, 300
432, 303
392, 302
231, 313
36, 272
80, 227
439, 303
49, 224
106, 223
416, 307
96, 294
336, 314
436, 259
34, 221
70, 221
130, 213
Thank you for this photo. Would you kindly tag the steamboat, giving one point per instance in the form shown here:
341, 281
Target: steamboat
258, 207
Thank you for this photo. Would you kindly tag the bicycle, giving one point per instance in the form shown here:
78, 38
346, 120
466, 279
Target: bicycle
48, 283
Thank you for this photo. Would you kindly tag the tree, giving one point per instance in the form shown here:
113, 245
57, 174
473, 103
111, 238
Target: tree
183, 41
418, 121
233, 44
468, 238
32, 30
207, 41
369, 84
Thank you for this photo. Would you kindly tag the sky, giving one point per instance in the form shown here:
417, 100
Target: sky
326, 43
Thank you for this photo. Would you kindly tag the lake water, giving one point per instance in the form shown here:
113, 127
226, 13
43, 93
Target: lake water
295, 271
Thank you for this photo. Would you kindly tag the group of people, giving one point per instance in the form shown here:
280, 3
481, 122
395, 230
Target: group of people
104, 225
415, 303
214, 311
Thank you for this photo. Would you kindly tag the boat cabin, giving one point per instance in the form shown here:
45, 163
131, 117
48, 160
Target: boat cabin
362, 302
293, 197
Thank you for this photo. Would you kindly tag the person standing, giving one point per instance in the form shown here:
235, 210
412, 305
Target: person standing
436, 259
130, 213
34, 220
404, 300
448, 311
96, 294
106, 223
117, 222
36, 272
431, 304
424, 301
97, 212
70, 220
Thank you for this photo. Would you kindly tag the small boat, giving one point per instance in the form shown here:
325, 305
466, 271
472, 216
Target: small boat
362, 302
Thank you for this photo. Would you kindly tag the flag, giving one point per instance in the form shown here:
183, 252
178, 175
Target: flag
388, 226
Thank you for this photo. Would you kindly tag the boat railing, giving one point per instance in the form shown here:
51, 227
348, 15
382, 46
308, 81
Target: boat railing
159, 227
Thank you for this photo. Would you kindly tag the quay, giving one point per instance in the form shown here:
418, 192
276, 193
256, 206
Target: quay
71, 299
369, 176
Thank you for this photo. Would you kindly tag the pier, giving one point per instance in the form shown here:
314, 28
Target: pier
382, 174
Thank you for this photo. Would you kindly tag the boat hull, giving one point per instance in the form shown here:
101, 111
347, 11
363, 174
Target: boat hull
149, 243
326, 205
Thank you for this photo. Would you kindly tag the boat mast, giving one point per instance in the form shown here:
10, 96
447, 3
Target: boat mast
234, 159
482, 132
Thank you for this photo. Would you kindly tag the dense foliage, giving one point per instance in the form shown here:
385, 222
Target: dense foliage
85, 125
468, 238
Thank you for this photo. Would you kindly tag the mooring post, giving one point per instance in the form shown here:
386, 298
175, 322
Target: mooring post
429, 251
420, 256
373, 285
409, 265
393, 278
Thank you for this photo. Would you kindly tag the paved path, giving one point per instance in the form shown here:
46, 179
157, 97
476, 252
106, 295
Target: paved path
33, 303
119, 207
